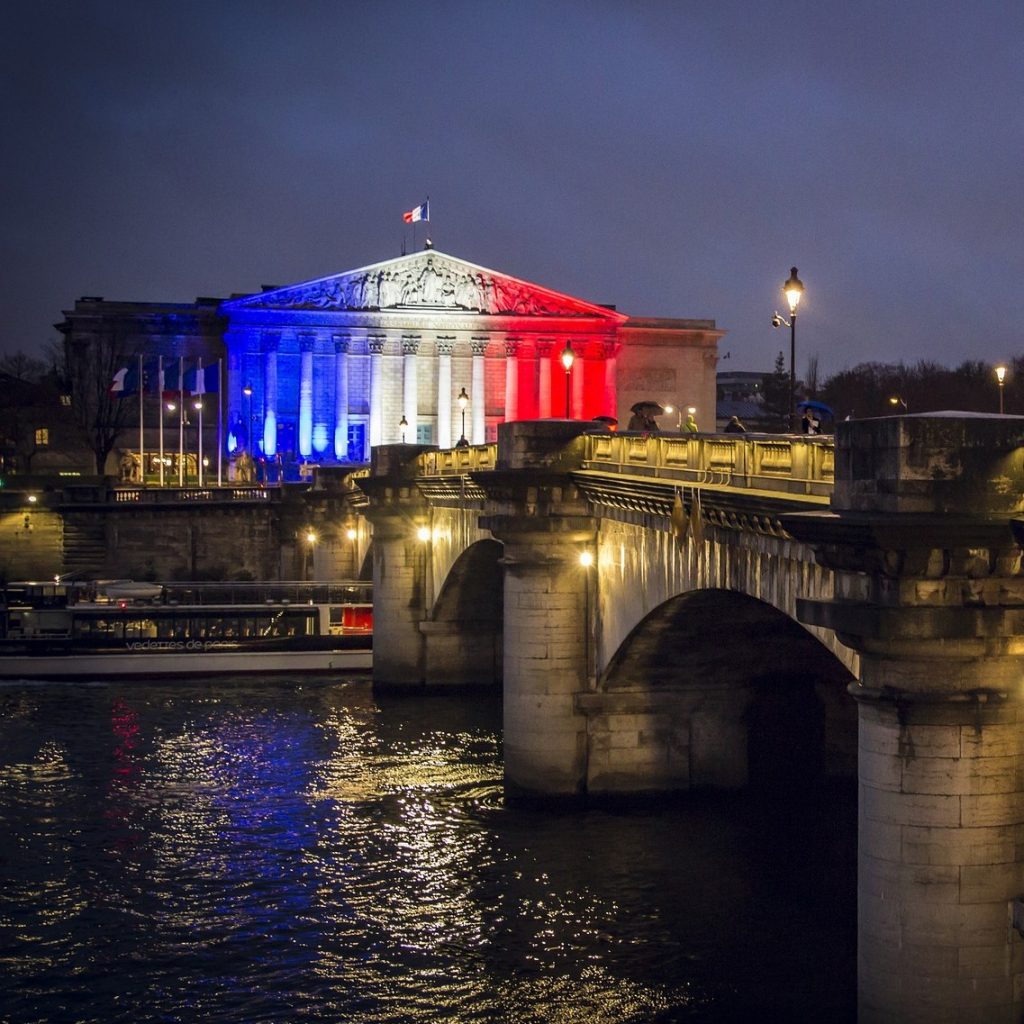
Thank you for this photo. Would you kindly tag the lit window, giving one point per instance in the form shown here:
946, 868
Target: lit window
65, 399
42, 437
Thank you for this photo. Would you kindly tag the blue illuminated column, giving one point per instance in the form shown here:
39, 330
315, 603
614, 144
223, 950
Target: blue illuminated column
410, 382
233, 342
511, 379
306, 343
271, 340
444, 391
544, 348
478, 346
376, 345
341, 342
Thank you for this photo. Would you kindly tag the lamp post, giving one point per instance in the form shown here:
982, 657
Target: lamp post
793, 289
897, 400
403, 425
568, 358
247, 391
198, 404
463, 401
1001, 378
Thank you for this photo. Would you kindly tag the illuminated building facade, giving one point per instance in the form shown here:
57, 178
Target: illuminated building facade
322, 370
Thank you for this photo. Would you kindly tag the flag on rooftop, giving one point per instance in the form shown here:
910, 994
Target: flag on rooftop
417, 213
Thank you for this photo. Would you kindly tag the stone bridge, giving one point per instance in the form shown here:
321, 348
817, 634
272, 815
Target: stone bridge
672, 612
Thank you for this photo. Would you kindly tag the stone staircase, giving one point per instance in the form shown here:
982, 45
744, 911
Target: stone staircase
85, 543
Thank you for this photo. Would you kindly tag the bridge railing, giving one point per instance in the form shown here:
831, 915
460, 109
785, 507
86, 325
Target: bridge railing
457, 461
766, 462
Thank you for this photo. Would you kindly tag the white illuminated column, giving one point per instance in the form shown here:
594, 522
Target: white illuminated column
478, 347
511, 380
306, 342
376, 346
444, 392
341, 396
410, 383
270, 343
544, 349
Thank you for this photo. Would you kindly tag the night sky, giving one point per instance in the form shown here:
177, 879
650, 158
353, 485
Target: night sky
672, 158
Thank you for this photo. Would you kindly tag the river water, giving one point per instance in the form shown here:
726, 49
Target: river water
305, 851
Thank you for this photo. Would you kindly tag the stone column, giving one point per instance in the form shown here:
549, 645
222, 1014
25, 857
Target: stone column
544, 349
511, 379
478, 394
375, 343
610, 378
929, 591
410, 384
444, 391
341, 343
306, 343
236, 412
543, 522
271, 341
578, 375
401, 565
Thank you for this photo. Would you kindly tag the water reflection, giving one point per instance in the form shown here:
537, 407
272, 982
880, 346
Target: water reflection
286, 852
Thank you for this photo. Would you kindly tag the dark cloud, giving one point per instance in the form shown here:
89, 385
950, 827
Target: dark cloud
675, 159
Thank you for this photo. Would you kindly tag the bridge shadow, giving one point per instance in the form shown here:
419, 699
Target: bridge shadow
736, 695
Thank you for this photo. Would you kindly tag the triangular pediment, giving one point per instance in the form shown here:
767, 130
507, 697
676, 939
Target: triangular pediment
429, 280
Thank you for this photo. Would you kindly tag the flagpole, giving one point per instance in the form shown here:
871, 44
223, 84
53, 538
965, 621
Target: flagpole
142, 442
160, 406
220, 426
199, 458
181, 422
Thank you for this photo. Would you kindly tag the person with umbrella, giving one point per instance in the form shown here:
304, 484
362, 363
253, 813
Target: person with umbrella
643, 416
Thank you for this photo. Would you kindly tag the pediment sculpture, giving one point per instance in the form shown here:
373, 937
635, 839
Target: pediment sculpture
427, 280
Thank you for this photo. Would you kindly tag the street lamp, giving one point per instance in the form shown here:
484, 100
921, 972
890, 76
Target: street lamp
1001, 377
568, 358
793, 289
463, 401
247, 391
403, 425
896, 400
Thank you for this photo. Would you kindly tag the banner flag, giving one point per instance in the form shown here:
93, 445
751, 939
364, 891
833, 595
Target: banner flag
417, 213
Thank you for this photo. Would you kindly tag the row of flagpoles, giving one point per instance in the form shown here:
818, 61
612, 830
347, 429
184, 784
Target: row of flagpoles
168, 382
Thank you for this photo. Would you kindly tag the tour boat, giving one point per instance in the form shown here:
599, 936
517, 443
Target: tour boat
73, 631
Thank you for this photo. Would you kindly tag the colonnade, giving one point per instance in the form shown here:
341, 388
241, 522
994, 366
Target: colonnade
402, 389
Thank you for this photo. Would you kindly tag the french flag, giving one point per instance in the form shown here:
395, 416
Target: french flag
418, 213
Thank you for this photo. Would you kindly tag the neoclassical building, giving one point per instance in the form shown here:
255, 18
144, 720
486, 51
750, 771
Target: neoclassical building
323, 370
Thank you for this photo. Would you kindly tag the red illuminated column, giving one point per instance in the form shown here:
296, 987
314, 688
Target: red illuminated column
544, 348
610, 396
579, 370
511, 379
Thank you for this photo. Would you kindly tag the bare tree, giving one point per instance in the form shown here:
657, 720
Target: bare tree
89, 368
811, 380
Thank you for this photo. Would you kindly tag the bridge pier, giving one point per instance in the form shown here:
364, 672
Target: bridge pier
929, 591
544, 524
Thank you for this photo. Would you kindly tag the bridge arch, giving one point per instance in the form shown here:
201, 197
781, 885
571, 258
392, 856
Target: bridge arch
714, 688
463, 632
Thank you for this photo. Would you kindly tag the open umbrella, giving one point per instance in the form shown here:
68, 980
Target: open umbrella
609, 421
810, 403
648, 408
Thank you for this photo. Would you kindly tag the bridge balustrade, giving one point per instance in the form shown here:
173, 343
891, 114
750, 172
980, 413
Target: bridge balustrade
457, 461
793, 465
188, 495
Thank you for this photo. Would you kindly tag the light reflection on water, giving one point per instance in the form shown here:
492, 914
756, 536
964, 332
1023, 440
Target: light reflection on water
290, 852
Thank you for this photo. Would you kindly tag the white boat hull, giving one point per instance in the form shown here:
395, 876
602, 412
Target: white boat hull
121, 664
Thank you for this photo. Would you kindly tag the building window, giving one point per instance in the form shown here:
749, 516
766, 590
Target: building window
424, 433
65, 399
42, 437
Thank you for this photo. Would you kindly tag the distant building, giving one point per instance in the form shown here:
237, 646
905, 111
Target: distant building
318, 372
741, 393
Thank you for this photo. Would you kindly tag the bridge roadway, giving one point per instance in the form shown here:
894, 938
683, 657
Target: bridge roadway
739, 591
